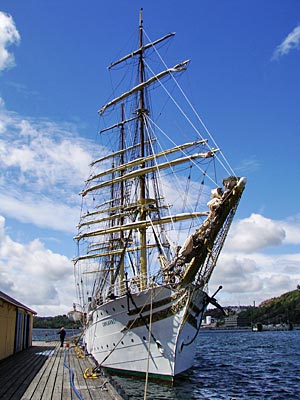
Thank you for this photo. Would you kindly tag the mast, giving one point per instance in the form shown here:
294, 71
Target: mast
122, 146
143, 252
112, 223
125, 219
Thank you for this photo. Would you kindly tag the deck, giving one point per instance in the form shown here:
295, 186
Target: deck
45, 371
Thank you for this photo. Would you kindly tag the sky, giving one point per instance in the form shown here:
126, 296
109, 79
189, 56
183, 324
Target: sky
245, 84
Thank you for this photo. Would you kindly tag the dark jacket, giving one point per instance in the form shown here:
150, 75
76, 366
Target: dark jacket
62, 334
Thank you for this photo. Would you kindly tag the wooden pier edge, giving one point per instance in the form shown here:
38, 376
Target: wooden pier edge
46, 371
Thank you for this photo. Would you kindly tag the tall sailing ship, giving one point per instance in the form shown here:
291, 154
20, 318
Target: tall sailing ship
153, 222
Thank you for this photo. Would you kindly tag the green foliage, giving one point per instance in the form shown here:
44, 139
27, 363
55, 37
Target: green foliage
279, 310
54, 322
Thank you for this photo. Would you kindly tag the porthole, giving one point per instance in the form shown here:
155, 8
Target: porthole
132, 340
144, 337
122, 306
122, 342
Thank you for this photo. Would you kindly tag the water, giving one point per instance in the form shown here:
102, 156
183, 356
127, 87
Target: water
234, 365
48, 335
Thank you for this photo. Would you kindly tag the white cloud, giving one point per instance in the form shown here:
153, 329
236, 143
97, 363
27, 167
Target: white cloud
248, 166
292, 230
258, 260
292, 41
8, 36
42, 169
43, 165
35, 276
40, 154
255, 233
40, 211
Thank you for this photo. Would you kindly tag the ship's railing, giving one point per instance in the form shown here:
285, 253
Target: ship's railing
129, 284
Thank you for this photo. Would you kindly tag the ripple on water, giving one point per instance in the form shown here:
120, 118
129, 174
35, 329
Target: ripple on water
234, 365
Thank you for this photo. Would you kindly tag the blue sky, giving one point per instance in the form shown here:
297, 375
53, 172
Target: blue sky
244, 82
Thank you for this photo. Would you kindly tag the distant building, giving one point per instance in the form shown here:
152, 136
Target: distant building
208, 322
16, 322
235, 321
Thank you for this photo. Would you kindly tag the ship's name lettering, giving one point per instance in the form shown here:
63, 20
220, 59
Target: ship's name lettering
108, 322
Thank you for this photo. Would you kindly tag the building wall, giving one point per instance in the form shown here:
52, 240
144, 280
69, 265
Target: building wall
15, 329
231, 321
24, 322
7, 329
235, 321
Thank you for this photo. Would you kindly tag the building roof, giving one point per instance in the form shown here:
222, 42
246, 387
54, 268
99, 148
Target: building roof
16, 303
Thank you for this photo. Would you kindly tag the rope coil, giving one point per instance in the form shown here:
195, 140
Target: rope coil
90, 374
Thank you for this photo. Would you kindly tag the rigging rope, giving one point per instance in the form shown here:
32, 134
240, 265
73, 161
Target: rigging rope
186, 196
149, 343
183, 151
192, 107
180, 191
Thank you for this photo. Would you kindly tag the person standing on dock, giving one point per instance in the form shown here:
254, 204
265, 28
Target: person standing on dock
62, 335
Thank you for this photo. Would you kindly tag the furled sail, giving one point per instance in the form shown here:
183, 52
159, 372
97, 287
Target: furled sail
177, 68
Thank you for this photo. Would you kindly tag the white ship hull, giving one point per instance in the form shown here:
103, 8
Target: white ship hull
118, 332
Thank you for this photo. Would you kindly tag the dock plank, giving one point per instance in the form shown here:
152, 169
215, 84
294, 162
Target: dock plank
90, 389
37, 388
17, 371
80, 383
34, 371
43, 373
57, 393
67, 391
48, 381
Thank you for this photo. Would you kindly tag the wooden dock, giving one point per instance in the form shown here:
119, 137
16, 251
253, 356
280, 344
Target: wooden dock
48, 372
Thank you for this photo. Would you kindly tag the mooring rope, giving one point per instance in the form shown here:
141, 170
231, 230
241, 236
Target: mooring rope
71, 377
149, 343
